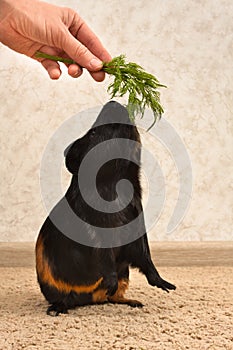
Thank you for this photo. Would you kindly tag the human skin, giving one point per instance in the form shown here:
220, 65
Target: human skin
27, 26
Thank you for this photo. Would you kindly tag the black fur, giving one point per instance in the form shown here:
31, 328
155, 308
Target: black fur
77, 264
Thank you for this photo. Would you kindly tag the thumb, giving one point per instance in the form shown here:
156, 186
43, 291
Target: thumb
80, 54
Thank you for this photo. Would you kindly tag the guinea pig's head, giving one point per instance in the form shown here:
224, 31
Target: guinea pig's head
112, 123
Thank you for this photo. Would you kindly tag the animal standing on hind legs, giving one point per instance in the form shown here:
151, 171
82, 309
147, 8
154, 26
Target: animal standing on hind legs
72, 274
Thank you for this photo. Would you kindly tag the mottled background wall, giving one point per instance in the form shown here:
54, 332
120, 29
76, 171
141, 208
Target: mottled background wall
189, 46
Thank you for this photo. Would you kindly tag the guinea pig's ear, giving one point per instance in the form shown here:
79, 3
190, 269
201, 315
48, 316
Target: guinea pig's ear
71, 158
67, 149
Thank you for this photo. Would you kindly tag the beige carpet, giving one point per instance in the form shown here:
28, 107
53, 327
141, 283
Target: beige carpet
198, 315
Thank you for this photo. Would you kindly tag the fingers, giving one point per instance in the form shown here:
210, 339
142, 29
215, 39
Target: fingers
85, 48
98, 76
86, 36
52, 68
80, 54
82, 33
74, 70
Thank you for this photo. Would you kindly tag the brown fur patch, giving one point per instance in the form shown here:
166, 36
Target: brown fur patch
122, 287
99, 296
119, 298
45, 274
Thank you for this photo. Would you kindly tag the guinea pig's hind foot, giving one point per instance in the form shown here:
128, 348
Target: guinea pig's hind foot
56, 309
130, 302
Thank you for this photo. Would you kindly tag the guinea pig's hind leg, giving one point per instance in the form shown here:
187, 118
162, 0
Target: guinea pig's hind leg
111, 283
107, 288
118, 297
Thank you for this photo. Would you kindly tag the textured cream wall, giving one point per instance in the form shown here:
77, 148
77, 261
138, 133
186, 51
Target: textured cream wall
189, 46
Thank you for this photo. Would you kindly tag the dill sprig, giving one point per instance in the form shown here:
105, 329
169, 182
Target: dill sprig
142, 87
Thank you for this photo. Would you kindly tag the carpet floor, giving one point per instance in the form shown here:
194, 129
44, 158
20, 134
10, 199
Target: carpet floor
198, 315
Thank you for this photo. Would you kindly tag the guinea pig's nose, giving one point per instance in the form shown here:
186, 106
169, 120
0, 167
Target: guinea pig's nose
112, 112
113, 104
67, 149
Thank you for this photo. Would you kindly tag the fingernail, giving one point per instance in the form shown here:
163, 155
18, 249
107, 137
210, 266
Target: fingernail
77, 73
95, 63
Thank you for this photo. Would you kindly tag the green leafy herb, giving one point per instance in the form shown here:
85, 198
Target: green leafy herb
142, 87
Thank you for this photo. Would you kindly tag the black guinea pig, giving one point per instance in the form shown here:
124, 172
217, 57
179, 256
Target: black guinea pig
86, 260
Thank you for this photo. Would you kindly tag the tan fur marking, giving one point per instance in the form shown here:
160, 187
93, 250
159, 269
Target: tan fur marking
118, 297
45, 274
99, 296
122, 287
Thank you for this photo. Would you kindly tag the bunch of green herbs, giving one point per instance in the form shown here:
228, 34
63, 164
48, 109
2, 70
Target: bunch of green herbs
131, 79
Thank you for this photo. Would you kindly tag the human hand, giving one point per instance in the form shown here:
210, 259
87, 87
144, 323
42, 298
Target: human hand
27, 26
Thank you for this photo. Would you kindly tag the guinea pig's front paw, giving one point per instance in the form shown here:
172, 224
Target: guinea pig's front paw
56, 309
160, 283
111, 283
164, 285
